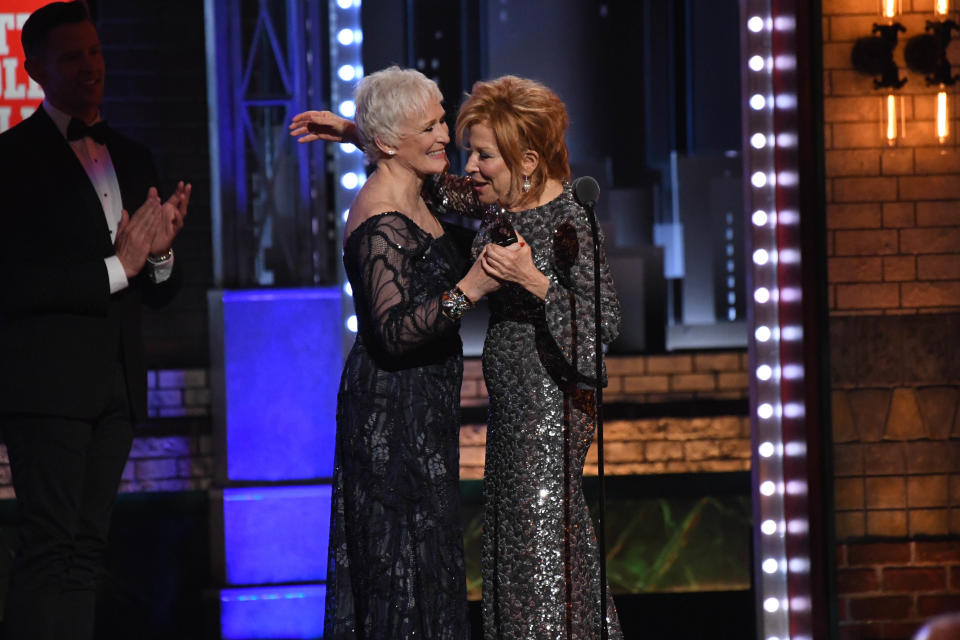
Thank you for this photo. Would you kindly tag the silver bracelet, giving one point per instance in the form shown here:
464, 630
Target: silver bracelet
454, 302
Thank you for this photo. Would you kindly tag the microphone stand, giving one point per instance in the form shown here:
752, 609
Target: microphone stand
588, 204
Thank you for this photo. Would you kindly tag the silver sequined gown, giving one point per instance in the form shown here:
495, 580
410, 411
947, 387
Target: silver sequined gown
540, 566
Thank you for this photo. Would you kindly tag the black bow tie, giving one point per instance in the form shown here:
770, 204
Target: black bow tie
77, 130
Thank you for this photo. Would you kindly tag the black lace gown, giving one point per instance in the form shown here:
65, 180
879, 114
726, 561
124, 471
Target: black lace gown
396, 565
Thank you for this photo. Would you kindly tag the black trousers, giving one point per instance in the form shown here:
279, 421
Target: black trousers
66, 473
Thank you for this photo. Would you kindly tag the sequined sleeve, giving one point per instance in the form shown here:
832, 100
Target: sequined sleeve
448, 193
386, 256
569, 306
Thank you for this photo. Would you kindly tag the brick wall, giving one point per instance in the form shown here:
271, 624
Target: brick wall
888, 589
893, 214
648, 445
174, 458
893, 247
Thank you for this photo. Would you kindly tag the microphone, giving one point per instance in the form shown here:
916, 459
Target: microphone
586, 191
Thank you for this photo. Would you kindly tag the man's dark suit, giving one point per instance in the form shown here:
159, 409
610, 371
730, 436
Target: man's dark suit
71, 353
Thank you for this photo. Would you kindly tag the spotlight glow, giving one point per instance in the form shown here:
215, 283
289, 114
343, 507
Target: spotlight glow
345, 37
758, 179
755, 24
346, 147
350, 180
347, 289
764, 372
346, 72
759, 218
757, 102
348, 108
761, 257
771, 605
766, 449
762, 295
770, 565
768, 488
762, 334
351, 324
768, 527
756, 63
765, 411
758, 141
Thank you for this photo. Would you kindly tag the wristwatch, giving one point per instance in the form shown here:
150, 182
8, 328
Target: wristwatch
161, 259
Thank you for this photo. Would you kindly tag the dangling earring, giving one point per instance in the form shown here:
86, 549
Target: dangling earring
526, 184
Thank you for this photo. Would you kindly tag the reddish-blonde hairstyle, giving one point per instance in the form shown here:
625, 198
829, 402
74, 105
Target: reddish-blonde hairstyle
523, 114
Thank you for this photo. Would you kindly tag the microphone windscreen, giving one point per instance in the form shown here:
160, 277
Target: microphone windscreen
586, 191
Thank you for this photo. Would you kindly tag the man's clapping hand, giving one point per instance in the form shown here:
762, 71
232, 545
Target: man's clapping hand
173, 211
135, 234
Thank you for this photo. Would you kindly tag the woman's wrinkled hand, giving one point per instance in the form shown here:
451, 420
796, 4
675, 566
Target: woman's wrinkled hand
515, 264
322, 125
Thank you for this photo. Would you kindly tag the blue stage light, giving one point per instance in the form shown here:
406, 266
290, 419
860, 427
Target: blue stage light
276, 535
282, 361
291, 612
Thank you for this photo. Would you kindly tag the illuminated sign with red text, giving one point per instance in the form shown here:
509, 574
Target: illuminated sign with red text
19, 95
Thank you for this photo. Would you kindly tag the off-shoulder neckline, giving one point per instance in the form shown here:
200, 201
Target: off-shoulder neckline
430, 237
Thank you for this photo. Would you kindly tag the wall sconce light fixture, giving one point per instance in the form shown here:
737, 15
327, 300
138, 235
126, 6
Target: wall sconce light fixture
873, 55
927, 54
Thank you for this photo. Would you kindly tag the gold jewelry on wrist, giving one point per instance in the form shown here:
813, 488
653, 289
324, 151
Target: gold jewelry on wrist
156, 261
454, 302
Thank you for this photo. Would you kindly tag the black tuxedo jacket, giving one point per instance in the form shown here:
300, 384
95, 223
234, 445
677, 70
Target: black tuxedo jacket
61, 332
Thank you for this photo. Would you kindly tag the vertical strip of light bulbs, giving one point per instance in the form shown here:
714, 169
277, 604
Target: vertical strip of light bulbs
763, 320
346, 64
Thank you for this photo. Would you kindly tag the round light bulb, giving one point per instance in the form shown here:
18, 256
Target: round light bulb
765, 411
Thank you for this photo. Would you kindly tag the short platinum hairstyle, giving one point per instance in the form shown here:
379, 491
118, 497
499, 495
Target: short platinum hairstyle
386, 101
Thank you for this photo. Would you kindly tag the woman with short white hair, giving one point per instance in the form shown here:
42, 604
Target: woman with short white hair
396, 566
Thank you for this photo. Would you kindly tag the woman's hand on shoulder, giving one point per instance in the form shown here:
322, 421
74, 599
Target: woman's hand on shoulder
322, 125
515, 264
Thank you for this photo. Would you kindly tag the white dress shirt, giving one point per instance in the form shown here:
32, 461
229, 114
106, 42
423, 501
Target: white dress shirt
99, 167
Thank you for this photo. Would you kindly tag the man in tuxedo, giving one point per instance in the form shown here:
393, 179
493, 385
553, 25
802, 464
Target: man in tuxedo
75, 266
